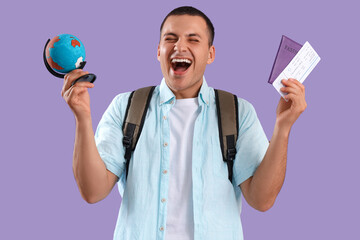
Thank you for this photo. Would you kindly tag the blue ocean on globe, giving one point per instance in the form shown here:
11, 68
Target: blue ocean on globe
64, 53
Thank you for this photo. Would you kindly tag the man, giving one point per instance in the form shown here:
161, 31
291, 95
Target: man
177, 187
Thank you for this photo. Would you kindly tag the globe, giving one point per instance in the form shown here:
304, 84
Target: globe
65, 53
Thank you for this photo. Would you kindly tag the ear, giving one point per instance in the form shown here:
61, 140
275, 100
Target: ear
158, 53
211, 56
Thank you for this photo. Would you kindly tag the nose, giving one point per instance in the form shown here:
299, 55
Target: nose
180, 45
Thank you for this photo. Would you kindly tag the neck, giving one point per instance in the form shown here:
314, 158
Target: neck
190, 92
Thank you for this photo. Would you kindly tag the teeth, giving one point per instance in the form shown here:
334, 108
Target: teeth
181, 60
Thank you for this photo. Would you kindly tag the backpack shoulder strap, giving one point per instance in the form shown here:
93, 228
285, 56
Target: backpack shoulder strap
228, 122
134, 119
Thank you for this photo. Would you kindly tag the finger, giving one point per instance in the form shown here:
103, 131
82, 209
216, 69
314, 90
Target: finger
72, 74
71, 77
298, 103
295, 98
73, 92
294, 90
290, 96
79, 90
84, 84
66, 94
299, 84
288, 82
81, 85
292, 82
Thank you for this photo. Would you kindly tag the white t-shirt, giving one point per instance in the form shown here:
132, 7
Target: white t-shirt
180, 220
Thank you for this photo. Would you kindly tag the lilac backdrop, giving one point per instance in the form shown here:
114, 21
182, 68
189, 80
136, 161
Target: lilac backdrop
39, 196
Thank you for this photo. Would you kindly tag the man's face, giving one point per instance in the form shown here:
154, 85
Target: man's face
183, 53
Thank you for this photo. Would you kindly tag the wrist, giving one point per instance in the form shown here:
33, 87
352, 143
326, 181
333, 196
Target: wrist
281, 129
83, 120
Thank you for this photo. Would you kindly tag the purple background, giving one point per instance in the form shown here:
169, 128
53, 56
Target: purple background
39, 196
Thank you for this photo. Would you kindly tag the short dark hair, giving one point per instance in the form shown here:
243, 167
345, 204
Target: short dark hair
188, 10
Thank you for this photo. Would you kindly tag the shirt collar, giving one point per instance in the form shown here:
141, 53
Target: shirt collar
204, 92
166, 95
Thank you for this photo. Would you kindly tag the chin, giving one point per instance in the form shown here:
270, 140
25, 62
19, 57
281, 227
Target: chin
178, 87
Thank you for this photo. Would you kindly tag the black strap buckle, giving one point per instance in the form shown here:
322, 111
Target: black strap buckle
231, 152
127, 141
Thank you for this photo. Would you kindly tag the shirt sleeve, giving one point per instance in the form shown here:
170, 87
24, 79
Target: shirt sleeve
109, 135
251, 144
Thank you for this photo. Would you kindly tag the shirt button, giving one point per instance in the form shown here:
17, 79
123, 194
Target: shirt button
164, 117
163, 200
165, 171
165, 144
161, 228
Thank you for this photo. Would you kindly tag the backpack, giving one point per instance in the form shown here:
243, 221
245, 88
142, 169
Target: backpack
228, 122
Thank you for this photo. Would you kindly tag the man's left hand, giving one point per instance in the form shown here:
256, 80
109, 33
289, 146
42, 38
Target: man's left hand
288, 112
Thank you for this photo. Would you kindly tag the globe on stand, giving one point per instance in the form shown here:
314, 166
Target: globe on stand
65, 53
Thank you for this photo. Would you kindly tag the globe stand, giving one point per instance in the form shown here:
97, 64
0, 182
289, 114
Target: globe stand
85, 78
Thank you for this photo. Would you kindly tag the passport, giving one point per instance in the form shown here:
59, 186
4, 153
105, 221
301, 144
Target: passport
287, 50
292, 60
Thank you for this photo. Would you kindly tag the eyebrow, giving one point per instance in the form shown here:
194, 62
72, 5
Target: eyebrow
170, 34
188, 35
194, 35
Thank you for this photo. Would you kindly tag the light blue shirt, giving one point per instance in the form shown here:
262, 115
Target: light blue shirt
216, 202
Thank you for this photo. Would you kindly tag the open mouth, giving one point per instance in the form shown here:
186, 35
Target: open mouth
180, 65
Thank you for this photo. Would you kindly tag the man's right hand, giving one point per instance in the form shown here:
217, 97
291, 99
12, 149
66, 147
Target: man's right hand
77, 96
93, 179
